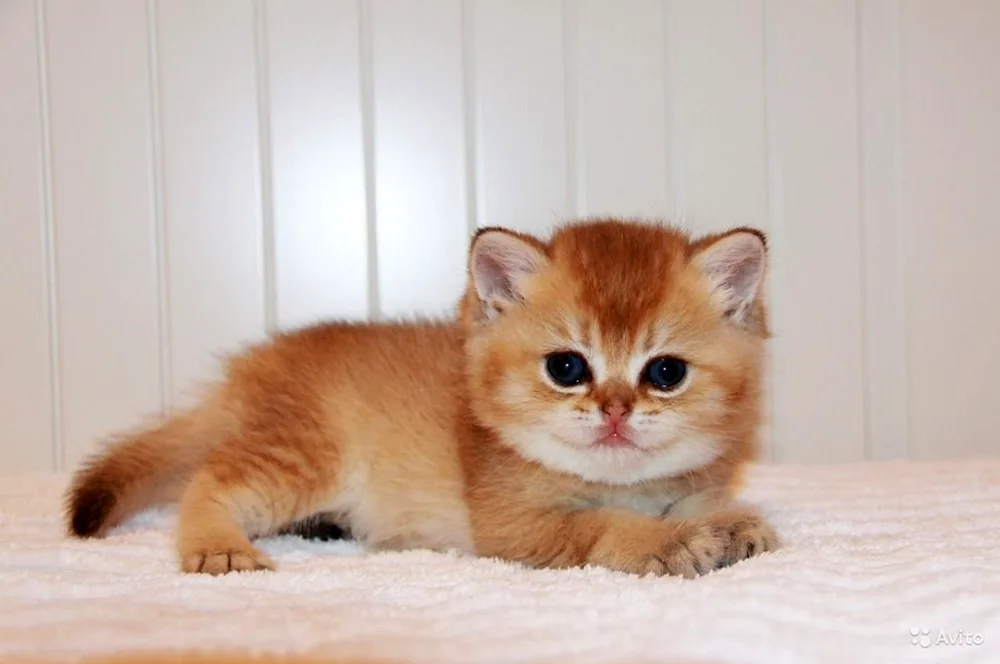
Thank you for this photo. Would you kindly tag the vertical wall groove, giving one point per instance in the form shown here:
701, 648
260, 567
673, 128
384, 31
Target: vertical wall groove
576, 203
162, 266
772, 211
265, 158
671, 104
368, 142
882, 307
862, 245
51, 263
900, 235
470, 116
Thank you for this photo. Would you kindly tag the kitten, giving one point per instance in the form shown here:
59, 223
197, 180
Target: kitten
592, 403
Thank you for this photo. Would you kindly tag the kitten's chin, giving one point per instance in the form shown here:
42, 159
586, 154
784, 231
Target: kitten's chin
612, 441
620, 463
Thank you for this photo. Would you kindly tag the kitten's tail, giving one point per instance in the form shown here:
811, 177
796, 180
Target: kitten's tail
142, 469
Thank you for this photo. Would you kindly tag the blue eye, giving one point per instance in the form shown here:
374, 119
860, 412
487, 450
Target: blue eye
665, 373
567, 369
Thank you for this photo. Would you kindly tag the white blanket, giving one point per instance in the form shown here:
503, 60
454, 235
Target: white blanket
888, 562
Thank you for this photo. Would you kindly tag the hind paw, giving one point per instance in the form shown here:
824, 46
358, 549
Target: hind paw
222, 560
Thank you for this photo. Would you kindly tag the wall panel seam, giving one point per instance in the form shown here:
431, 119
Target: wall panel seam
775, 230
265, 154
368, 143
470, 116
159, 227
900, 235
862, 172
671, 119
575, 150
49, 232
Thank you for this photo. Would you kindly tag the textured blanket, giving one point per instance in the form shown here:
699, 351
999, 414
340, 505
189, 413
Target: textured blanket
886, 562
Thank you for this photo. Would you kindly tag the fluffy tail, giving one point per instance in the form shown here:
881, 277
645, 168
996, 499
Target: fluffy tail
143, 469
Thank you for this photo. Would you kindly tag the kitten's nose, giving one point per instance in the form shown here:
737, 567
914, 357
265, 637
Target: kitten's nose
615, 412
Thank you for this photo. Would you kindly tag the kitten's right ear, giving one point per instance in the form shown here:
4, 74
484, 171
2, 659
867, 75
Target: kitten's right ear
500, 263
734, 264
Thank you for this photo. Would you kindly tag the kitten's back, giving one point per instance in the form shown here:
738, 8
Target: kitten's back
359, 384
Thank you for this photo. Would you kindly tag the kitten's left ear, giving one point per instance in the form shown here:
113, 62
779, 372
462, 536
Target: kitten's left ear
734, 265
500, 263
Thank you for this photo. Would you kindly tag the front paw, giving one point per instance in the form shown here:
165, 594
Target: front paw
679, 548
695, 548
747, 533
685, 547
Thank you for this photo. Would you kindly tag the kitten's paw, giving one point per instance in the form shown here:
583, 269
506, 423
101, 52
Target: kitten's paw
747, 532
696, 548
680, 548
223, 559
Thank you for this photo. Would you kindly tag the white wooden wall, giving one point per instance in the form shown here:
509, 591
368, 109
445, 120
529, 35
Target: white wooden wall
180, 176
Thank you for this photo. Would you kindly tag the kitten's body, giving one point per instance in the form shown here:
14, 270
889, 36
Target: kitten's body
447, 436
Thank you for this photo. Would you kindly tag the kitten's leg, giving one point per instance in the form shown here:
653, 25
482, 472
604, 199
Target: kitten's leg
246, 491
213, 534
615, 539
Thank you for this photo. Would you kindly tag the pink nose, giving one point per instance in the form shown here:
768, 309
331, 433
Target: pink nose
615, 413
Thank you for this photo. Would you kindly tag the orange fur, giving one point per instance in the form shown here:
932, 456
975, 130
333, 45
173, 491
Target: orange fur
449, 435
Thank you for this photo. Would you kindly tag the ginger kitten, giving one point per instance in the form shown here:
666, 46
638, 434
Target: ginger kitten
592, 403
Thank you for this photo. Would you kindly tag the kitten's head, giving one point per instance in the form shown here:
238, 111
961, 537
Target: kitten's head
618, 351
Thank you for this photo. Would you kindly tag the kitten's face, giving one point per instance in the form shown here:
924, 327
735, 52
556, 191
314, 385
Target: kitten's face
617, 353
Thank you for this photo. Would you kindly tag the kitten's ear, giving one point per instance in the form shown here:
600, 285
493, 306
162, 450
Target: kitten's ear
500, 262
734, 265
